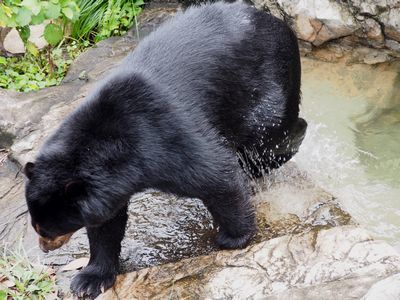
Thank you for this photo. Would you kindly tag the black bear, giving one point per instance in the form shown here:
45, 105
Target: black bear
214, 83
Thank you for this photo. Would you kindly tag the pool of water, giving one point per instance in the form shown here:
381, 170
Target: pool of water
352, 147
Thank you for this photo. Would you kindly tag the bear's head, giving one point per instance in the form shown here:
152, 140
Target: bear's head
53, 203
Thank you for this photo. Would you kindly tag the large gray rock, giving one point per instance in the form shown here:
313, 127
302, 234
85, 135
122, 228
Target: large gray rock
327, 19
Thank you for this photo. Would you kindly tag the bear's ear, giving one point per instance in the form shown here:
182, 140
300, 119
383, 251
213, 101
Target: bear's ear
74, 187
28, 169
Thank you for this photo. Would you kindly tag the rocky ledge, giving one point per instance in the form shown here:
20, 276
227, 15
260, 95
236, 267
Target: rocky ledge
357, 31
337, 263
306, 247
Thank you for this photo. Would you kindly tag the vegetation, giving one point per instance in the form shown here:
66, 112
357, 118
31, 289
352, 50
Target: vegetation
30, 73
71, 26
101, 19
20, 14
20, 279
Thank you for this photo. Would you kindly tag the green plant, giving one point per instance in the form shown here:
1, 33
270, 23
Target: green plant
94, 21
29, 73
20, 14
101, 19
20, 279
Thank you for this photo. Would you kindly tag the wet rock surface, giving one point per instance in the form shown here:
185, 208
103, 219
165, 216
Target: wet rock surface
304, 247
337, 263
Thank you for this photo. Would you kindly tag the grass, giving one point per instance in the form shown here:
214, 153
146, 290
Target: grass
22, 279
100, 19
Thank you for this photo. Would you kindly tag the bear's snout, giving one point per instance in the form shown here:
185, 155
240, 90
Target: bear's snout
47, 244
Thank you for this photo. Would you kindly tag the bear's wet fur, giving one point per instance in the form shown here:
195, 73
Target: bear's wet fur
213, 83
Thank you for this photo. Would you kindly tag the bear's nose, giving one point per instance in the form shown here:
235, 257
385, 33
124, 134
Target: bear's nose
47, 244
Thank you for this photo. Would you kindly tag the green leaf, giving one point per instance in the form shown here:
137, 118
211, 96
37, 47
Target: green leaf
53, 11
38, 19
41, 84
33, 5
31, 48
6, 10
39, 76
5, 20
23, 17
3, 295
24, 33
67, 11
51, 82
70, 10
32, 287
3, 60
45, 285
53, 34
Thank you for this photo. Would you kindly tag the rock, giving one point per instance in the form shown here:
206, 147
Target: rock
306, 29
14, 44
330, 31
370, 7
391, 20
369, 56
272, 7
345, 23
388, 288
319, 21
325, 54
317, 264
391, 44
374, 33
305, 47
12, 203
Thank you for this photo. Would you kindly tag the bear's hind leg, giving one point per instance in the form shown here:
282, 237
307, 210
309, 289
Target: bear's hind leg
210, 172
105, 247
233, 212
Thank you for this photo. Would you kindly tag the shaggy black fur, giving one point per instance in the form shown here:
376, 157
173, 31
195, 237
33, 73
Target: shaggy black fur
215, 80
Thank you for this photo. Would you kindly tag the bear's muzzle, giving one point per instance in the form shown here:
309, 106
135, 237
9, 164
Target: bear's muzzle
47, 244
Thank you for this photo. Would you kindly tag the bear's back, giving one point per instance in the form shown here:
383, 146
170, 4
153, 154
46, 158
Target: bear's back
218, 57
183, 48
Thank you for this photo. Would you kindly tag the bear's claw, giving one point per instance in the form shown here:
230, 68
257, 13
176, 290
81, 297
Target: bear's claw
90, 283
226, 241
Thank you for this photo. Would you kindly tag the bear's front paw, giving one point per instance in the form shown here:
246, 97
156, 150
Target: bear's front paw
226, 241
91, 282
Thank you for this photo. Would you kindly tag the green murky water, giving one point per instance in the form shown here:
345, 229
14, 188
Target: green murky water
352, 147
